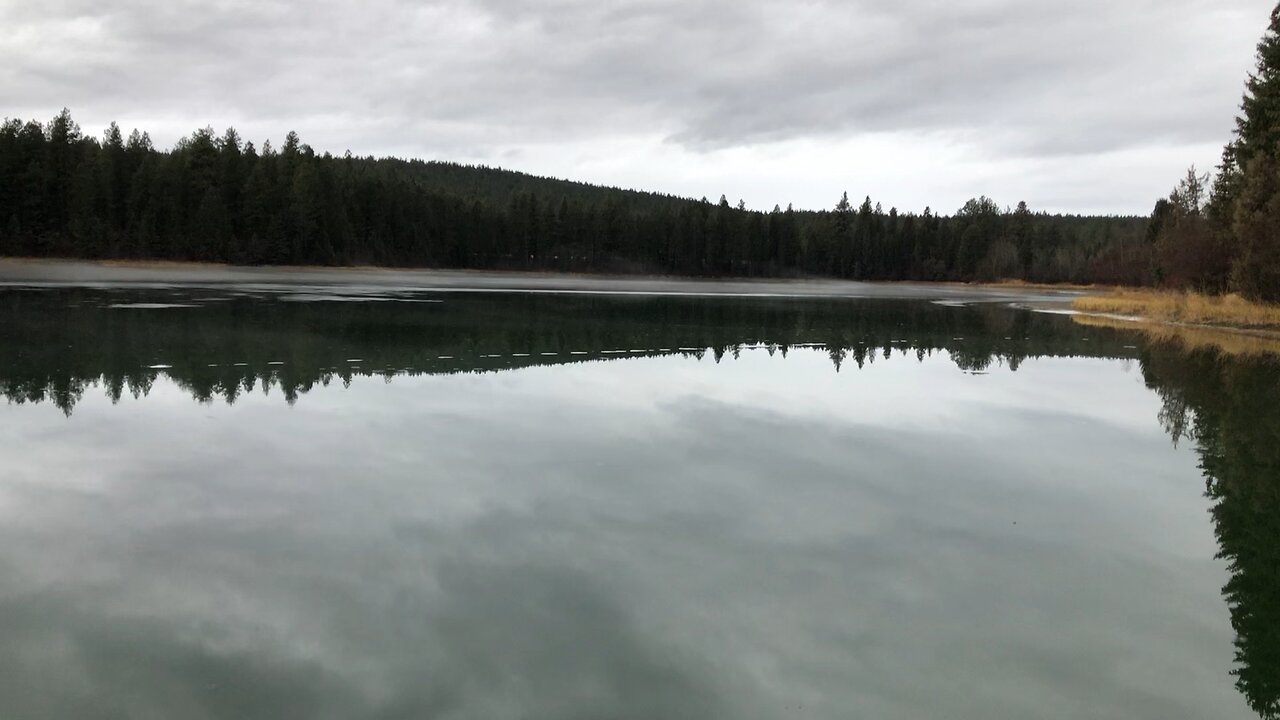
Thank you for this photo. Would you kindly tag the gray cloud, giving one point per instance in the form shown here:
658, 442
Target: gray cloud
492, 79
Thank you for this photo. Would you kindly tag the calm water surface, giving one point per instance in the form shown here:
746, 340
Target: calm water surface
222, 503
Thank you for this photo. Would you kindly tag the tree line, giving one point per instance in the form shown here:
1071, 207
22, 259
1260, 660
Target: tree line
215, 197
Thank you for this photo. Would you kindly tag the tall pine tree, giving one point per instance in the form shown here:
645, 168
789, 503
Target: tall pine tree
1245, 199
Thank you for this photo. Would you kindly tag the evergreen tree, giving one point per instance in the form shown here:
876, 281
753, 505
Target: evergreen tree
1257, 228
1258, 125
861, 248
1243, 201
842, 236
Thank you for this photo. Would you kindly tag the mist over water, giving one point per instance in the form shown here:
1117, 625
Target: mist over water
267, 502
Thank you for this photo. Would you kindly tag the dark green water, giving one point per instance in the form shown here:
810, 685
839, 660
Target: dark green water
253, 504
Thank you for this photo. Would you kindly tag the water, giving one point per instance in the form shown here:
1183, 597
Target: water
230, 502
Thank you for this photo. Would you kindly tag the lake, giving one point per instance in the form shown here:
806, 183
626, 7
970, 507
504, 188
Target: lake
255, 500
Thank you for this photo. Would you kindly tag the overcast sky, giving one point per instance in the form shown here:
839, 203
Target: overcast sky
1085, 106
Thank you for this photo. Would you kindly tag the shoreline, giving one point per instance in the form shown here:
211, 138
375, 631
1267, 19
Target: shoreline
1229, 322
58, 271
1229, 311
1116, 307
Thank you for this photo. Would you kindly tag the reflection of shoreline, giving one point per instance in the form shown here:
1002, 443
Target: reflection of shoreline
1232, 341
56, 343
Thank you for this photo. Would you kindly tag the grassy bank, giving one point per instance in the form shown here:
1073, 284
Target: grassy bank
1227, 323
1226, 311
1195, 337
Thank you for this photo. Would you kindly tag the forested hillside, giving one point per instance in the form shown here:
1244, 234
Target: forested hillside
215, 197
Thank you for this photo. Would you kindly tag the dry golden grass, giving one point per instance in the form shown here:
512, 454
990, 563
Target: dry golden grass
1230, 311
1195, 337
